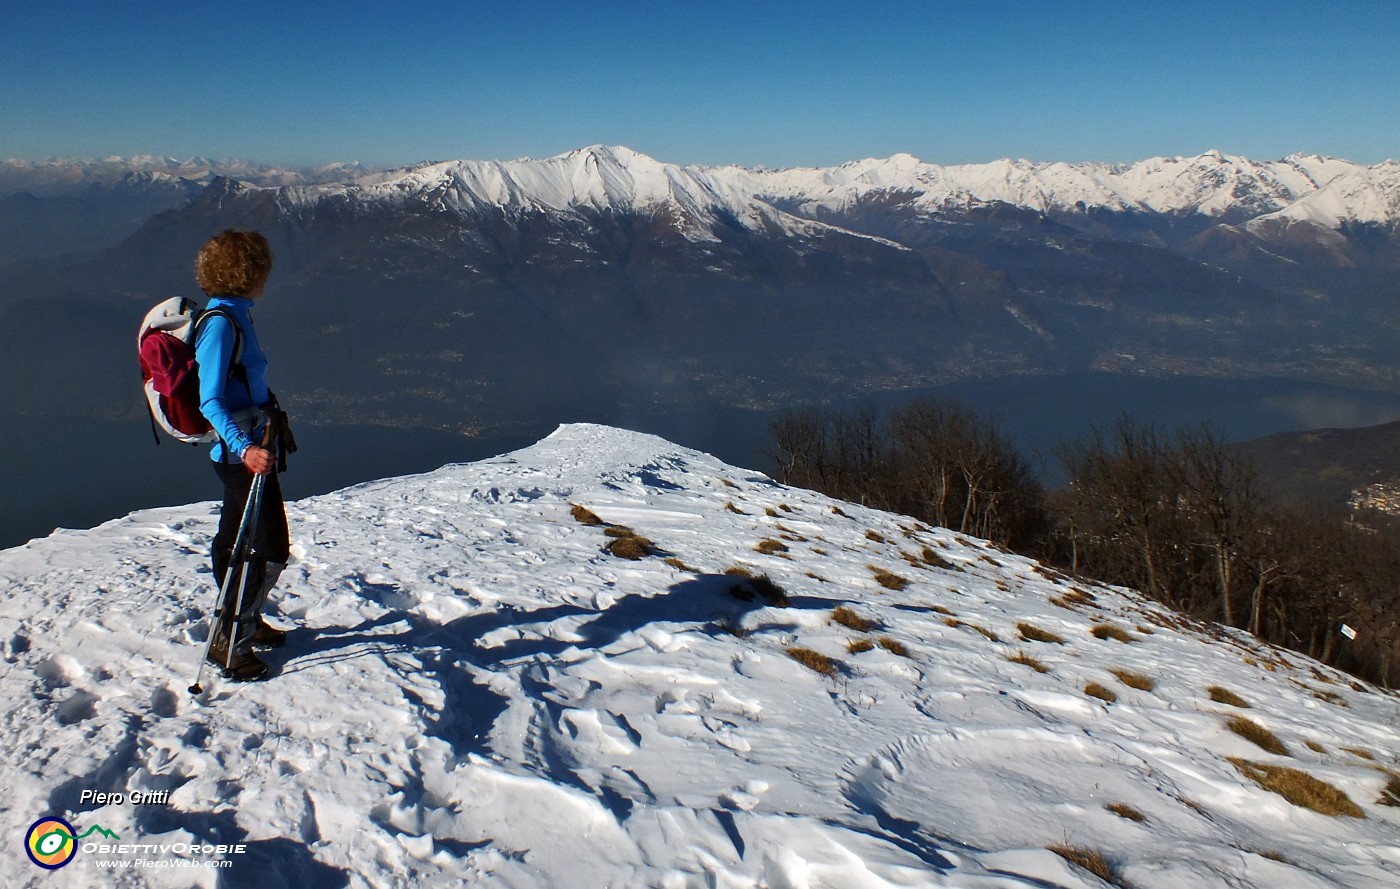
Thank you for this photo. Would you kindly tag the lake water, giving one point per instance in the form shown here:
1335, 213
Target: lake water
76, 473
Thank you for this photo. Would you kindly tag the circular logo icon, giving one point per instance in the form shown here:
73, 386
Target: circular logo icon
50, 843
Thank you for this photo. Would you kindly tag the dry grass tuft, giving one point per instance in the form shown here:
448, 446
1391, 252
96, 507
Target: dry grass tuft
728, 483
729, 505
1089, 860
941, 610
757, 586
957, 624
768, 546
929, 556
631, 546
585, 516
1315, 747
1357, 751
1222, 695
888, 579
1299, 788
1102, 692
814, 659
1258, 735
1123, 810
874, 535
770, 512
848, 618
1073, 599
1390, 796
856, 646
1032, 633
836, 510
1330, 697
894, 646
1020, 657
679, 565
1139, 681
1109, 631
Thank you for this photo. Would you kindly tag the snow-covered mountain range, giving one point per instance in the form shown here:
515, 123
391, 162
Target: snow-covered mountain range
482, 689
1301, 187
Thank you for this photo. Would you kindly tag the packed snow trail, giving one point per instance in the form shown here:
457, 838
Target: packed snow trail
478, 692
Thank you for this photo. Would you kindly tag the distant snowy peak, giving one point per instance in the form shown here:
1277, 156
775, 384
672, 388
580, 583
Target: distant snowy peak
1212, 184
66, 174
596, 179
1368, 195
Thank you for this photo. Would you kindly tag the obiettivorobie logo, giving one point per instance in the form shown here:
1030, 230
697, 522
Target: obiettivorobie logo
52, 842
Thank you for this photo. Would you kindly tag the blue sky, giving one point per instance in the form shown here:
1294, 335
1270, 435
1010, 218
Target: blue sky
753, 83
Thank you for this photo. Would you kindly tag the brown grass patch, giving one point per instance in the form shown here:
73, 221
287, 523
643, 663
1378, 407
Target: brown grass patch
874, 535
1109, 631
1021, 657
585, 516
958, 624
1087, 859
1315, 747
813, 659
929, 556
1330, 697
1102, 692
768, 546
856, 646
1390, 796
1139, 681
1257, 735
1123, 810
757, 586
848, 618
770, 512
894, 646
1073, 599
888, 579
836, 510
728, 483
940, 609
1357, 751
1299, 788
734, 509
631, 546
1222, 695
679, 565
1032, 633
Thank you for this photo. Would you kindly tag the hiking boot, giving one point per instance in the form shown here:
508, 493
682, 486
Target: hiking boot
241, 668
267, 636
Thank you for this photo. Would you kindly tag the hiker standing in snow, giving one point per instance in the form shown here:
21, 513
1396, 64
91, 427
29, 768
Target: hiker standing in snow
232, 269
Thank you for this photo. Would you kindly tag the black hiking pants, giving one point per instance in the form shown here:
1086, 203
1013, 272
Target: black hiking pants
270, 546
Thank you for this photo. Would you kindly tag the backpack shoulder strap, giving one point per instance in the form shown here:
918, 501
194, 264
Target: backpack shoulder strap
236, 368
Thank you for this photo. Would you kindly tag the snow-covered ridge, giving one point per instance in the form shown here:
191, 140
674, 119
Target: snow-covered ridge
1326, 191
477, 692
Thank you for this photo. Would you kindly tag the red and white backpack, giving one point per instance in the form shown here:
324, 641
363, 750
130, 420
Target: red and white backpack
169, 373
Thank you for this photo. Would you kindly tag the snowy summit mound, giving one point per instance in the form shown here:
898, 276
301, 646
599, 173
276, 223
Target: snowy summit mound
483, 689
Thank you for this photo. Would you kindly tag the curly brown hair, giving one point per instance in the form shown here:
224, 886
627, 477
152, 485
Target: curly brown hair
233, 263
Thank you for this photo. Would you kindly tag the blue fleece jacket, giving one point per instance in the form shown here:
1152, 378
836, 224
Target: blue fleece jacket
222, 395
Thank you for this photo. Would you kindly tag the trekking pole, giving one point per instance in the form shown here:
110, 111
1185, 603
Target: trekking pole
238, 560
